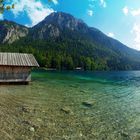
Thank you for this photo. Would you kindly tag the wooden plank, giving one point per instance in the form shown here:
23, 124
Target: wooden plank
15, 74
18, 59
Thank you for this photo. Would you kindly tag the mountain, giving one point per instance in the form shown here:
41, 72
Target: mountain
64, 42
58, 24
11, 31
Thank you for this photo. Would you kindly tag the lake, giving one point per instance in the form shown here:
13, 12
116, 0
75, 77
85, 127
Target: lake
74, 105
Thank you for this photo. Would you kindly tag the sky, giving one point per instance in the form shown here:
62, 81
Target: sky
119, 19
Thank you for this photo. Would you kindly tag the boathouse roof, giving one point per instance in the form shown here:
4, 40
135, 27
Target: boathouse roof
18, 59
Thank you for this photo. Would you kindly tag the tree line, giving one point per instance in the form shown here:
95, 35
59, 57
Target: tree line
68, 54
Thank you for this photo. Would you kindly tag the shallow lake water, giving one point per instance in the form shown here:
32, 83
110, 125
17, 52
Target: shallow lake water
72, 106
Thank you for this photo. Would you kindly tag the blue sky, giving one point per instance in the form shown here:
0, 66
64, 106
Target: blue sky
119, 19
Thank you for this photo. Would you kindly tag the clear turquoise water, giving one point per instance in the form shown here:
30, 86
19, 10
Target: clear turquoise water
114, 115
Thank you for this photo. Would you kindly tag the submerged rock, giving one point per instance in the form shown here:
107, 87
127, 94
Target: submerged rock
80, 134
74, 86
88, 103
67, 110
26, 109
32, 129
26, 122
39, 120
83, 91
137, 137
125, 135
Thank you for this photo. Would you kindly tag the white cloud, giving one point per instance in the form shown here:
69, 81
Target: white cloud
91, 5
125, 10
27, 25
55, 1
35, 10
111, 35
90, 12
135, 12
103, 3
136, 31
1, 17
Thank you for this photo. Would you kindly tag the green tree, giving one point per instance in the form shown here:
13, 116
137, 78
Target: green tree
56, 62
3, 7
41, 58
69, 63
8, 7
88, 63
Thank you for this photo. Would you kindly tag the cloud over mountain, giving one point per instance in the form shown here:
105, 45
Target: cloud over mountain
35, 10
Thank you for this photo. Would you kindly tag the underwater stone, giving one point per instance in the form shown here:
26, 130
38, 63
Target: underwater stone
67, 110
88, 103
26, 109
32, 129
136, 137
27, 122
39, 120
125, 135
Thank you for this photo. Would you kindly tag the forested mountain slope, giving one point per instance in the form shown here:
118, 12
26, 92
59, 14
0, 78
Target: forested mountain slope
64, 42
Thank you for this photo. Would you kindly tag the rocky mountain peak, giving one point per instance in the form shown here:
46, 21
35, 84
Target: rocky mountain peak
11, 31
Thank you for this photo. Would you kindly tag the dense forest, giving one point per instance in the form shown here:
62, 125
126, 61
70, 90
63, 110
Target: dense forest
70, 54
57, 55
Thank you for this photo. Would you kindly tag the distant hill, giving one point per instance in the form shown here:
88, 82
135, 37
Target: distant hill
64, 42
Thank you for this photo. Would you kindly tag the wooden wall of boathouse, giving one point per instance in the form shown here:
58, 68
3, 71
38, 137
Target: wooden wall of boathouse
15, 74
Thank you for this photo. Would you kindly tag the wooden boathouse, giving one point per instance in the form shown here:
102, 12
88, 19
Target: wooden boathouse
16, 67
